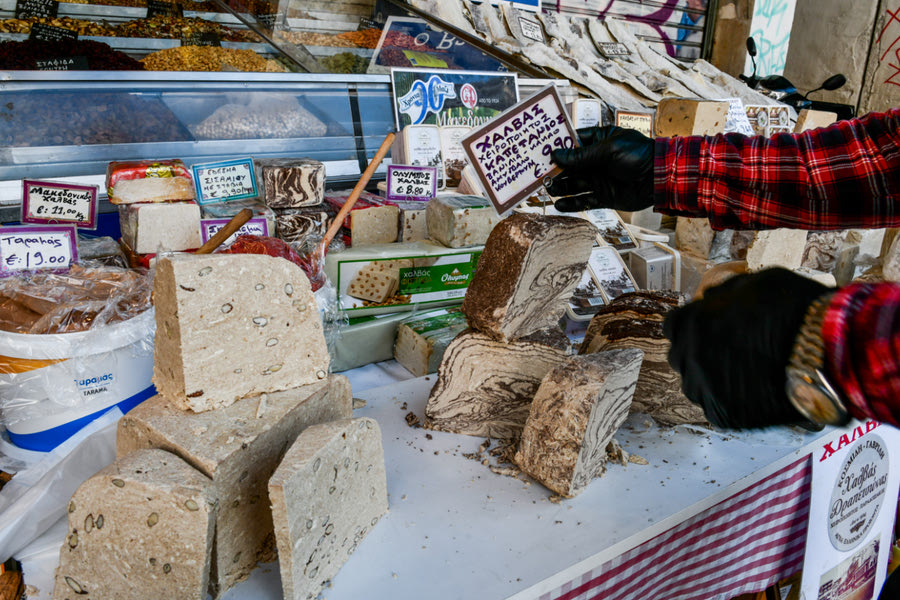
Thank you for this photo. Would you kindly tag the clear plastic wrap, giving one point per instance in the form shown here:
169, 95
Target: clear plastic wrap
71, 346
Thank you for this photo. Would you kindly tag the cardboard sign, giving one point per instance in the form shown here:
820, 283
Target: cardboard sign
612, 228
511, 154
66, 63
50, 202
639, 121
851, 511
49, 33
47, 9
255, 226
224, 181
459, 98
407, 182
51, 248
610, 272
164, 8
610, 49
531, 29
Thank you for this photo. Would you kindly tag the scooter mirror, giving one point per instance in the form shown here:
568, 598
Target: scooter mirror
751, 46
834, 82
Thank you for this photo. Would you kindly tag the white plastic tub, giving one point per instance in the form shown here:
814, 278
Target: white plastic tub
53, 385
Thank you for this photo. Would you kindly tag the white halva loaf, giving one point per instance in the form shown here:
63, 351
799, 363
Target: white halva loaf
458, 221
328, 492
527, 273
234, 325
485, 387
141, 528
575, 413
238, 447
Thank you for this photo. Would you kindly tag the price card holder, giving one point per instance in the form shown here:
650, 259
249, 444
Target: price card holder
407, 182
48, 9
224, 181
49, 33
48, 248
163, 8
255, 226
64, 63
47, 202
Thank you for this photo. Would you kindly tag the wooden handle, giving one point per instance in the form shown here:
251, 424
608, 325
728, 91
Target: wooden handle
236, 222
354, 195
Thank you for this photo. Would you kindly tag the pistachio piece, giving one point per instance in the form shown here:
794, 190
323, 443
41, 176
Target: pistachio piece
76, 587
71, 506
205, 271
118, 483
88, 523
288, 289
260, 321
167, 568
152, 520
99, 522
191, 505
73, 540
227, 308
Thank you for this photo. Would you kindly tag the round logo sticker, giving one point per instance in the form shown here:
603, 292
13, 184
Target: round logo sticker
858, 494
468, 95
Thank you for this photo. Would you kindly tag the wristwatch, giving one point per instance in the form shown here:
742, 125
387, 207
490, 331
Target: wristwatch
808, 387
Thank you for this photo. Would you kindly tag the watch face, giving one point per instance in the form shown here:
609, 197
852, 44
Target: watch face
814, 400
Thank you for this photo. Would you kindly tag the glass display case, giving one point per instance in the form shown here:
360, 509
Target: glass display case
71, 124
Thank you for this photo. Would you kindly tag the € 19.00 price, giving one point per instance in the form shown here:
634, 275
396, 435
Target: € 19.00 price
34, 260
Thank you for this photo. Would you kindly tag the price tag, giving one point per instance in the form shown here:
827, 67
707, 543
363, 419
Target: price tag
411, 183
531, 29
49, 33
66, 63
224, 181
511, 153
207, 38
267, 20
164, 9
610, 49
255, 226
365, 23
51, 248
642, 122
37, 8
51, 202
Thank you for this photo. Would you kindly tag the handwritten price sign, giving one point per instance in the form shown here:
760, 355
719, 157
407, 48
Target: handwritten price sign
37, 249
511, 154
255, 226
50, 202
411, 183
224, 181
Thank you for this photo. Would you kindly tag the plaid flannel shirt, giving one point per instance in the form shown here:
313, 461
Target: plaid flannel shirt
845, 176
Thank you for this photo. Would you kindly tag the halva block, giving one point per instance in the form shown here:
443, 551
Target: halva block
160, 226
238, 447
485, 387
458, 221
140, 528
527, 273
328, 492
234, 325
291, 183
575, 413
422, 340
128, 182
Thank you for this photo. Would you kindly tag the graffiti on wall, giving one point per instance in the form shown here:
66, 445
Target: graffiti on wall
771, 30
892, 29
677, 24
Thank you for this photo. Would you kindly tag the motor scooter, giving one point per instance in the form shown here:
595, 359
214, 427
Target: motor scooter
779, 88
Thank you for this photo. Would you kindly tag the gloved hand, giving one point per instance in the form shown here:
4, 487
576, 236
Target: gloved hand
613, 168
732, 347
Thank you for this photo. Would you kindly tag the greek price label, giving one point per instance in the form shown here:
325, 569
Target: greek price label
610, 49
255, 226
531, 29
51, 248
48, 9
65, 63
51, 202
164, 8
406, 182
224, 181
49, 33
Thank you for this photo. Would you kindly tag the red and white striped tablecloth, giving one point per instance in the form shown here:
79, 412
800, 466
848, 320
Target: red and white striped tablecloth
741, 545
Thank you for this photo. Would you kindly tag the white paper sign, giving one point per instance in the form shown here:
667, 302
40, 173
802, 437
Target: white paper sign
408, 182
851, 515
737, 121
610, 272
37, 248
254, 226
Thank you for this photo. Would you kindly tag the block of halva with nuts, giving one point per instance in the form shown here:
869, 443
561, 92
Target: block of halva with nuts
328, 492
575, 413
527, 273
458, 221
140, 528
238, 447
230, 326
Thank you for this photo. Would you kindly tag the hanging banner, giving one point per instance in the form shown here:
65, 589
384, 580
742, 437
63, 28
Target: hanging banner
855, 482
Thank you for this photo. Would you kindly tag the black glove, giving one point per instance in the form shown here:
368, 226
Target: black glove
732, 347
613, 168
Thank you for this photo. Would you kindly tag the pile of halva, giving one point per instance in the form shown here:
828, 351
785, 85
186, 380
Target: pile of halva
249, 446
511, 375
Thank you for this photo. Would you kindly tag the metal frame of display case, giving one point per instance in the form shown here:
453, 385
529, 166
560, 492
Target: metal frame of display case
356, 109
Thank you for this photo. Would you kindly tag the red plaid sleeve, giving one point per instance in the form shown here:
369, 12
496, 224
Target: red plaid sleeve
840, 177
861, 332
